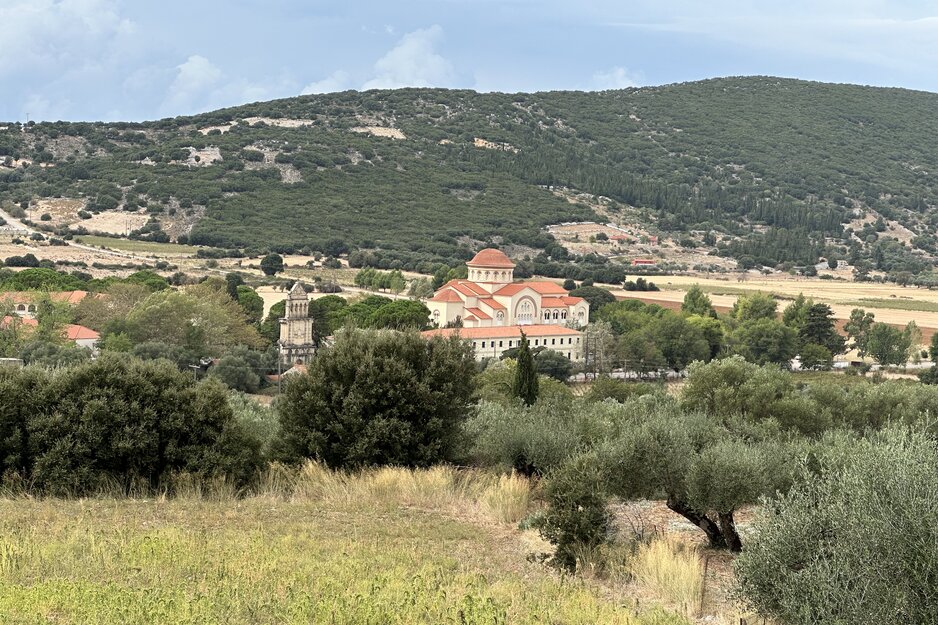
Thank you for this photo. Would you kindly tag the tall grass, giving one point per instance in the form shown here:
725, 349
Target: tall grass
501, 498
672, 571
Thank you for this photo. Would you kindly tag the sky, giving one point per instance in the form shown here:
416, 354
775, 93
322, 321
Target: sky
136, 60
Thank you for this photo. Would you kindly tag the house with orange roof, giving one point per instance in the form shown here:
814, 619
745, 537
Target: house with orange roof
490, 297
23, 303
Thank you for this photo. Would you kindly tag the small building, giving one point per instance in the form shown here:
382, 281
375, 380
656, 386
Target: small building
644, 262
82, 336
296, 329
23, 303
492, 342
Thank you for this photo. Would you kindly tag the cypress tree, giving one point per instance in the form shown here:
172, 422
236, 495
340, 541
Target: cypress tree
525, 382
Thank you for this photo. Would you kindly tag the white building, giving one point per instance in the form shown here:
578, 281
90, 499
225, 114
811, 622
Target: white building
492, 342
491, 298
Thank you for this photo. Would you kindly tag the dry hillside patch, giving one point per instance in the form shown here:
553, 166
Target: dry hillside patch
62, 210
380, 131
115, 222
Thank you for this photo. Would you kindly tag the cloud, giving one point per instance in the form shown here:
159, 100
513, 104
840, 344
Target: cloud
413, 62
869, 32
615, 78
336, 81
195, 79
47, 35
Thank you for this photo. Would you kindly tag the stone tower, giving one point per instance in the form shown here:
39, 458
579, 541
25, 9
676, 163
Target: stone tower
296, 329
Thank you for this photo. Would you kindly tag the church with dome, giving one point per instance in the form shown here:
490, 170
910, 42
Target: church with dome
492, 309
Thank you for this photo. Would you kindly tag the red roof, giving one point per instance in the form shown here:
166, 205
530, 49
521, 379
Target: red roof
491, 303
79, 333
644, 261
478, 313
446, 295
26, 321
503, 332
541, 286
491, 258
27, 297
466, 287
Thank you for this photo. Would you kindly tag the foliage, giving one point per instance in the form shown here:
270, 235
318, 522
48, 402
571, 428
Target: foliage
118, 419
272, 264
605, 387
816, 357
888, 345
765, 340
697, 303
552, 364
818, 554
595, 296
380, 397
577, 517
524, 385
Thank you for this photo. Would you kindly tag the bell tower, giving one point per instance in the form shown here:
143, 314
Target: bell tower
296, 329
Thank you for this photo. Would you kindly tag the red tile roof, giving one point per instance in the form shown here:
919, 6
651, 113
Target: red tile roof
478, 313
491, 258
446, 295
467, 288
491, 303
79, 333
499, 332
27, 297
553, 302
26, 321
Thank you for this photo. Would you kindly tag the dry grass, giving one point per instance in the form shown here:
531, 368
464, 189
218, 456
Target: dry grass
673, 572
389, 546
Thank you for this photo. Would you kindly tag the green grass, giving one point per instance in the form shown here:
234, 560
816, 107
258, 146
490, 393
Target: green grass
895, 304
128, 245
390, 547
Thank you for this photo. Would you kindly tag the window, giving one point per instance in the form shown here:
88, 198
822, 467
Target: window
554, 341
563, 314
483, 344
510, 343
500, 343
556, 314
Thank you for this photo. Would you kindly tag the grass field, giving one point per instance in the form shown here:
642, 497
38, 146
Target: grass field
391, 547
140, 247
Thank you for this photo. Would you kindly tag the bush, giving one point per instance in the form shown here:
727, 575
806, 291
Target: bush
120, 421
380, 397
605, 387
577, 518
854, 540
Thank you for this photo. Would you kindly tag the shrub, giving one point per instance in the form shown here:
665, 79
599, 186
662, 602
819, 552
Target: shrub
380, 397
854, 540
605, 387
577, 518
121, 421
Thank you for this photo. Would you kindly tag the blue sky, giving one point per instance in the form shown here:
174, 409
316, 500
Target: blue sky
140, 59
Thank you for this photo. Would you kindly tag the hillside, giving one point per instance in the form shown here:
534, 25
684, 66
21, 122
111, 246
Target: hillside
765, 170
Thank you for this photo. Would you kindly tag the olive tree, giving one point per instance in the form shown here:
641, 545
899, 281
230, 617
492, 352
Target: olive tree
854, 541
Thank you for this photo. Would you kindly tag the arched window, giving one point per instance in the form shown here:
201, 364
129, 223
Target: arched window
563, 314
556, 315
436, 317
526, 313
500, 317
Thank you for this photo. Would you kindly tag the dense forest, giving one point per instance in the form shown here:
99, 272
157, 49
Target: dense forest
774, 170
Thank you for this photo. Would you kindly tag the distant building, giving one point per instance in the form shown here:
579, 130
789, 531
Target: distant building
493, 310
644, 262
296, 329
491, 298
23, 303
82, 336
493, 342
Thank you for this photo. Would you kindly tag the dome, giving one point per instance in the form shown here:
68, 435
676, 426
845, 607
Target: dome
490, 258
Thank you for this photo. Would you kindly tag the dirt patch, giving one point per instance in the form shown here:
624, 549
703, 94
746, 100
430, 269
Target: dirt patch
380, 131
280, 123
63, 211
485, 144
114, 222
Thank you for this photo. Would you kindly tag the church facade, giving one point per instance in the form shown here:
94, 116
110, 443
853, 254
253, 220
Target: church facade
491, 310
490, 297
296, 329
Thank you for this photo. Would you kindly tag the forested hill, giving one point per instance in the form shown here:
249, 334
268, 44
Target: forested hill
777, 168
